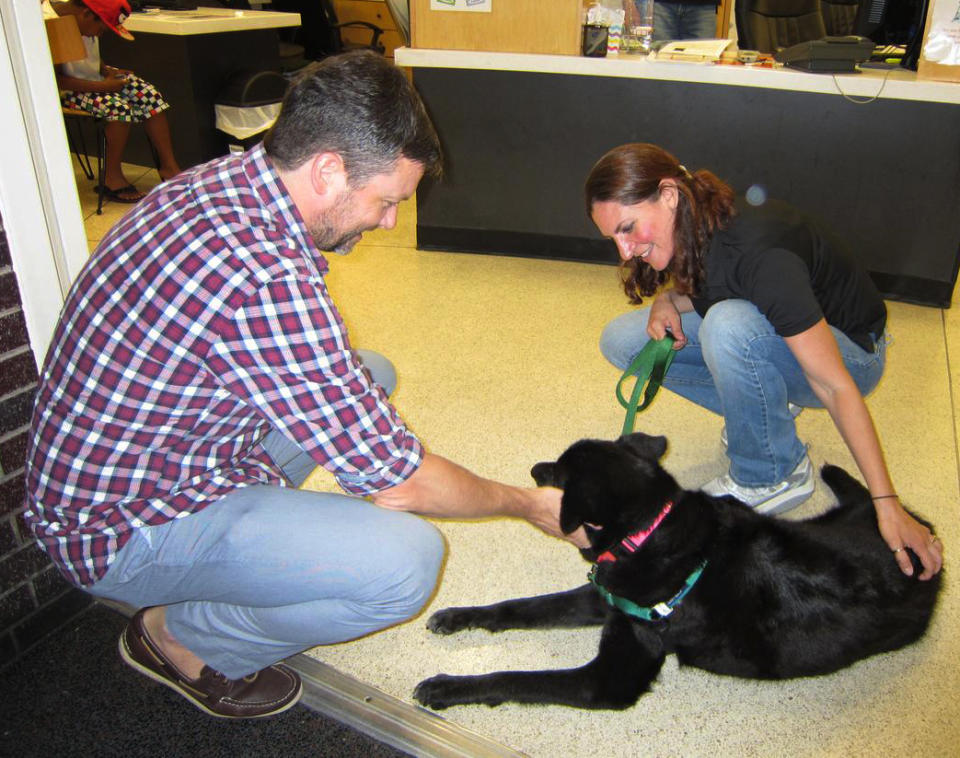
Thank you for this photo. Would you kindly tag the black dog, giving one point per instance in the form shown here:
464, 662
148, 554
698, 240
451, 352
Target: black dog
677, 571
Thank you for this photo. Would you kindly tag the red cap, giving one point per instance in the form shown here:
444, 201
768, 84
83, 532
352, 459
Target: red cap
113, 13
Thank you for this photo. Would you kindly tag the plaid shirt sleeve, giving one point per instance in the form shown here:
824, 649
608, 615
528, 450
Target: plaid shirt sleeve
287, 353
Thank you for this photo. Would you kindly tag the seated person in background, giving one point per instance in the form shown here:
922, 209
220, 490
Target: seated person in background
114, 94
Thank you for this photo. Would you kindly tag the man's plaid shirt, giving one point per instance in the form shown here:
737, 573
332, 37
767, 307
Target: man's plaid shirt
201, 322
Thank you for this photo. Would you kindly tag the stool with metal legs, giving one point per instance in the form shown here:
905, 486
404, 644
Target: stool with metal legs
73, 120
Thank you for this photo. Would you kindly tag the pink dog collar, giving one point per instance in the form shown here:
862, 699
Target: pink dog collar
633, 541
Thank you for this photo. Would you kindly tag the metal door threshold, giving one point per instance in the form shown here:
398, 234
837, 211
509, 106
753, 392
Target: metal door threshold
406, 727
401, 725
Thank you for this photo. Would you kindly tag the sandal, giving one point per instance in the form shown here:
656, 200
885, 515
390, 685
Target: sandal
128, 194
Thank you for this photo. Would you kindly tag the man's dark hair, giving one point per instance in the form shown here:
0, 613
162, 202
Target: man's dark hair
360, 106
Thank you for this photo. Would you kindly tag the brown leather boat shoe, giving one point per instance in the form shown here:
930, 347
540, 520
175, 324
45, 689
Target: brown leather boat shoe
265, 693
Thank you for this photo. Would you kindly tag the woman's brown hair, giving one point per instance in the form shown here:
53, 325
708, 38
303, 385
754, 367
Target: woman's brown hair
633, 173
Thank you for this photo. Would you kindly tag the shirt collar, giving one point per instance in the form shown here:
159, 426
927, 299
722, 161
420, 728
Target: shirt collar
268, 185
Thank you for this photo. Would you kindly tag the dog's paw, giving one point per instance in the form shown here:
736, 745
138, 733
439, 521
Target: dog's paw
442, 691
451, 620
431, 692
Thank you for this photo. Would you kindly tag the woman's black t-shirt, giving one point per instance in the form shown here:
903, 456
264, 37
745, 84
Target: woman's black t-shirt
794, 271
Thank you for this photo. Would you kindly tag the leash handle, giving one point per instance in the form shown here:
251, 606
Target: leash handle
648, 368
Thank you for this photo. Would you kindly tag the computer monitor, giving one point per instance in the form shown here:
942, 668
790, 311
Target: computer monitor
893, 22
870, 17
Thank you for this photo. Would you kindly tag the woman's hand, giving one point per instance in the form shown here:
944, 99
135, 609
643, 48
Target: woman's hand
665, 317
817, 352
902, 532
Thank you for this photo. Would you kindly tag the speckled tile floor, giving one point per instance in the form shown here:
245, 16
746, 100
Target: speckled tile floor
499, 368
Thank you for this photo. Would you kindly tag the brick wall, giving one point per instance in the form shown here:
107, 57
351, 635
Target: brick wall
34, 599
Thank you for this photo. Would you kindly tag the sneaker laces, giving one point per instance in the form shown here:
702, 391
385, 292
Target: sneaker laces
756, 496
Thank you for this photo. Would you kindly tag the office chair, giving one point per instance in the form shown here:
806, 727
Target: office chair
767, 25
839, 16
319, 31
400, 12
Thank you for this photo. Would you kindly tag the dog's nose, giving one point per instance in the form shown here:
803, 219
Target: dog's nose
542, 474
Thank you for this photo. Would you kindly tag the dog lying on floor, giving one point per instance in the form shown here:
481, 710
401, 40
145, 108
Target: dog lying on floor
678, 571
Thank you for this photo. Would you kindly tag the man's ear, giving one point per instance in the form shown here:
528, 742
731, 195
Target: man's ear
327, 174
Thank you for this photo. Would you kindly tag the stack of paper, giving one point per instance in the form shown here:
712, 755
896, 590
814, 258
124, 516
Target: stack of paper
705, 50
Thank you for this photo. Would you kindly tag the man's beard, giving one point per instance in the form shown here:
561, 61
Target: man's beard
332, 240
328, 234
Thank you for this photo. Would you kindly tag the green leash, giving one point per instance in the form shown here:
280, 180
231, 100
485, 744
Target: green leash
649, 368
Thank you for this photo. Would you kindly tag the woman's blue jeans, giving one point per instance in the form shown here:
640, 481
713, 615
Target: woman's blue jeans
734, 364
267, 571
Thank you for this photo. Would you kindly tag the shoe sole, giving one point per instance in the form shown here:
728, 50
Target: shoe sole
797, 496
135, 664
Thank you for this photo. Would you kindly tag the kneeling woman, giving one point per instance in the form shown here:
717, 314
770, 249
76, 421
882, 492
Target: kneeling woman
769, 315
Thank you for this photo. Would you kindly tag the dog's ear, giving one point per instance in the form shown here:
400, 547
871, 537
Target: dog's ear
645, 445
572, 508
544, 474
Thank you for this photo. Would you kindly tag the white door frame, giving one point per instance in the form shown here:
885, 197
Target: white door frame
38, 193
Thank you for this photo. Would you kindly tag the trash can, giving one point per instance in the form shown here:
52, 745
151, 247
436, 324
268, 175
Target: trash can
248, 106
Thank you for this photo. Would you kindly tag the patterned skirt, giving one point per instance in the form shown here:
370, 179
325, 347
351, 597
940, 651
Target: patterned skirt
136, 102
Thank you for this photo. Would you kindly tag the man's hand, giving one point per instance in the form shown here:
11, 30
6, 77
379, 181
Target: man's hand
442, 489
544, 513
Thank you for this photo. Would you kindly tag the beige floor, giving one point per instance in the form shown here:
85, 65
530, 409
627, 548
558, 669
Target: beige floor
498, 369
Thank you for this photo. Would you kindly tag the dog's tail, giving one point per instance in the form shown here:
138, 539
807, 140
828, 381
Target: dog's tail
845, 487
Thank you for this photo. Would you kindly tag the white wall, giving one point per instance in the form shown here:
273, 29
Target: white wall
38, 194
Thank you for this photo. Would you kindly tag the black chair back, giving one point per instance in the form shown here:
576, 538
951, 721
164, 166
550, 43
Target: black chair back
839, 16
319, 31
767, 25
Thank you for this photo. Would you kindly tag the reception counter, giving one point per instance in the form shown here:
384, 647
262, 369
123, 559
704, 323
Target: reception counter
190, 56
207, 21
875, 154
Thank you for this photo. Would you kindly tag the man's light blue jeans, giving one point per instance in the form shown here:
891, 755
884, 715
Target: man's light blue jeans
734, 364
267, 571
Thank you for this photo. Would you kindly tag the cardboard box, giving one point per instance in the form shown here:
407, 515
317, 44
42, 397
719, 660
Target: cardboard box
940, 21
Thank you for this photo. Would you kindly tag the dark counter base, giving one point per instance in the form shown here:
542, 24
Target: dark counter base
907, 289
518, 147
523, 244
190, 72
